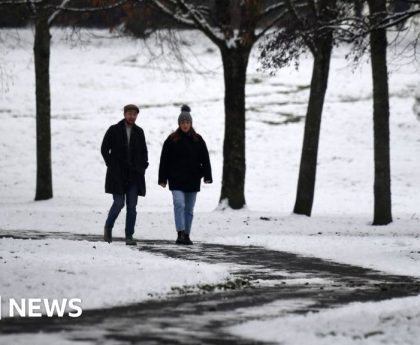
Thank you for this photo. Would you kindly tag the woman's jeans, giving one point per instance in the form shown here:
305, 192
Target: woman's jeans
131, 199
183, 209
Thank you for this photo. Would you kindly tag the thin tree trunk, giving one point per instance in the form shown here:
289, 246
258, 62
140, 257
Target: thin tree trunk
308, 162
382, 184
43, 109
235, 62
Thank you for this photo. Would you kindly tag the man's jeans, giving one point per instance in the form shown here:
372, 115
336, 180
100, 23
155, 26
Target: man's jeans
183, 209
131, 198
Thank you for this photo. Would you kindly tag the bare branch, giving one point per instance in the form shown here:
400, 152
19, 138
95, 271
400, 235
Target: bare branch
271, 9
200, 22
57, 11
397, 18
273, 23
165, 9
62, 7
295, 14
350, 28
301, 24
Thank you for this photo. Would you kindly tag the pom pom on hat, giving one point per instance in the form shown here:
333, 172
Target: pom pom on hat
185, 114
186, 108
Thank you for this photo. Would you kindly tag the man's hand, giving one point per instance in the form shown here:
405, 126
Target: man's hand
162, 185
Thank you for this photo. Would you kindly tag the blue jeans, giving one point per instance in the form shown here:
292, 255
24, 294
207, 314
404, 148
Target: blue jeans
131, 197
183, 209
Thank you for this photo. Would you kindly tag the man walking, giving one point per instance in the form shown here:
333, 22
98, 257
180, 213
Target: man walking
125, 154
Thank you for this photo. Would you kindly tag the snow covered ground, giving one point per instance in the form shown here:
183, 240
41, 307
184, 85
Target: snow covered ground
95, 272
393, 322
93, 76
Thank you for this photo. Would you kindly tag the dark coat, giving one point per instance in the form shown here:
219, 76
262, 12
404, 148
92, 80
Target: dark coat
124, 165
184, 162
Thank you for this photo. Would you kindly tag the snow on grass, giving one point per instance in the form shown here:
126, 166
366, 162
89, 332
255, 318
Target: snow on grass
91, 82
394, 249
395, 321
92, 78
100, 274
399, 255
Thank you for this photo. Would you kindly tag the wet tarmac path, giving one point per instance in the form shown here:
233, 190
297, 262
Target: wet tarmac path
266, 284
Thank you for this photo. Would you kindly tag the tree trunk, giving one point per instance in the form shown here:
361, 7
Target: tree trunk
235, 62
382, 184
43, 108
308, 162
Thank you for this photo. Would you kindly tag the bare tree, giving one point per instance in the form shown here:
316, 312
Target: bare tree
44, 13
233, 26
382, 15
44, 16
344, 26
307, 30
320, 46
378, 47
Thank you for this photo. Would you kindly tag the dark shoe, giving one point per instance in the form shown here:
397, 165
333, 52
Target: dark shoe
180, 238
129, 241
187, 240
107, 234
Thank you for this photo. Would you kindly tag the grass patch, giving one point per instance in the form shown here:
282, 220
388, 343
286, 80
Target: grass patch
235, 284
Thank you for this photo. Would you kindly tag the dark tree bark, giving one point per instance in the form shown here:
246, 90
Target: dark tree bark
232, 26
43, 108
382, 184
235, 62
308, 162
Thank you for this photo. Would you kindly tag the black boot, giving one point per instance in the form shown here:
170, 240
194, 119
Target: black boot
187, 240
107, 234
130, 241
180, 238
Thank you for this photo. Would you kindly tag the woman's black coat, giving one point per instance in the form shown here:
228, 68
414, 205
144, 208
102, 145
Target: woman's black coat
125, 164
184, 162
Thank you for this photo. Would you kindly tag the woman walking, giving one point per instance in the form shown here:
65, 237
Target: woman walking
183, 162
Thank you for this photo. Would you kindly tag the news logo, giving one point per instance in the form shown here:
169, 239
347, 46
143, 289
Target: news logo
34, 307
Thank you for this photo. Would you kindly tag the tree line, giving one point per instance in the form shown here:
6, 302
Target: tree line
284, 29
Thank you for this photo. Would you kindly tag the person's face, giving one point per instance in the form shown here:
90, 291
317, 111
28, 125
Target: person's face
130, 117
185, 126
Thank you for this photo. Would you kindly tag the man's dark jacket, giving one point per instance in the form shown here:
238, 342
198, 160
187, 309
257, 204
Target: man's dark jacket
184, 162
126, 163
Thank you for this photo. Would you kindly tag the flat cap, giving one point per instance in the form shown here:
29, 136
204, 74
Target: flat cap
131, 107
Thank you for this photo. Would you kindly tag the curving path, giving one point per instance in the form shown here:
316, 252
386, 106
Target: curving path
288, 282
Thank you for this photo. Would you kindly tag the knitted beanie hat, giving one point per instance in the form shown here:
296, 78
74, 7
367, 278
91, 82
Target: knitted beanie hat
185, 114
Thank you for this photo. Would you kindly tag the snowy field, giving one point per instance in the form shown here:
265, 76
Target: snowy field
394, 322
93, 76
97, 273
